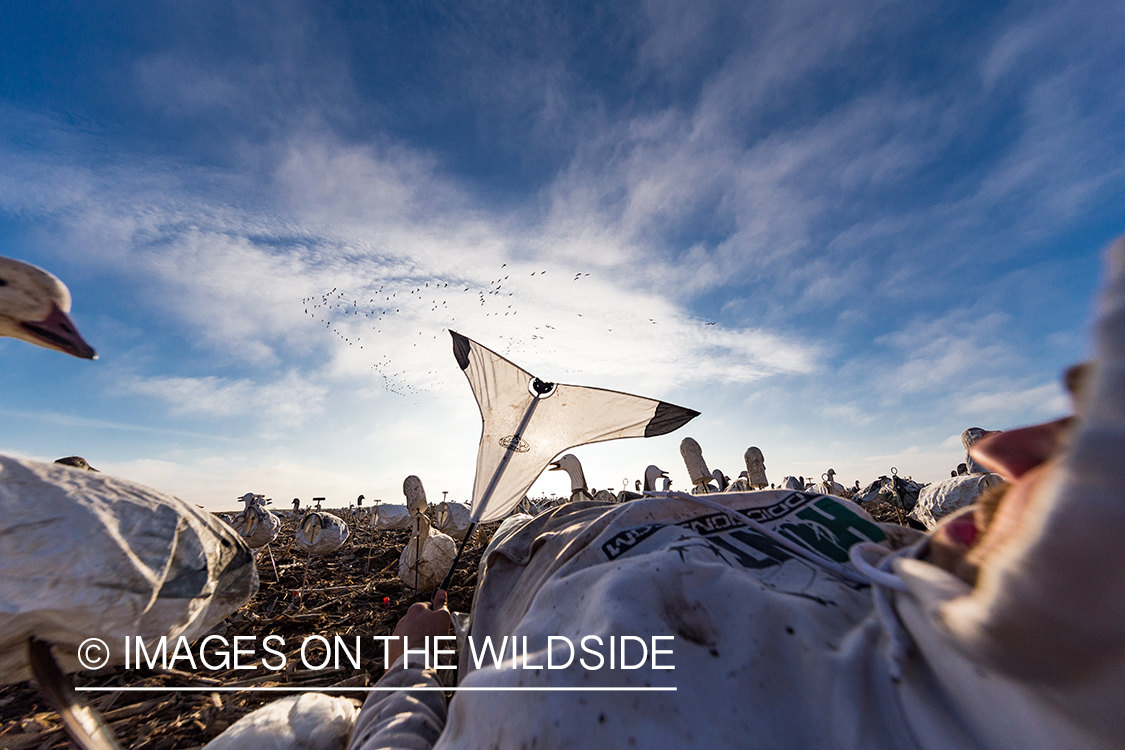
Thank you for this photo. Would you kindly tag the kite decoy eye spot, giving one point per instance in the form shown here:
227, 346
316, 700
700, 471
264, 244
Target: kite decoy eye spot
540, 389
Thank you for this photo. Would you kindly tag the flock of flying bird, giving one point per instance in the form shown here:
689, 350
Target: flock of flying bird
383, 309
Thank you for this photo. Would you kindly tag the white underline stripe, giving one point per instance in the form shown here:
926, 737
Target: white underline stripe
294, 688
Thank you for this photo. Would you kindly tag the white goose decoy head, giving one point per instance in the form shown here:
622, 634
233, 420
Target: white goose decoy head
652, 473
34, 306
755, 467
415, 495
693, 459
572, 466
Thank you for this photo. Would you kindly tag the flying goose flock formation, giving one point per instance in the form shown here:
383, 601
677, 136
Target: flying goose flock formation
335, 309
94, 555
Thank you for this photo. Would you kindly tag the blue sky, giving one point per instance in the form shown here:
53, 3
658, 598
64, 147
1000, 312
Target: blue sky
843, 231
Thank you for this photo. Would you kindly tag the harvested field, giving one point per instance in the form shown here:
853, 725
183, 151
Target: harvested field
338, 594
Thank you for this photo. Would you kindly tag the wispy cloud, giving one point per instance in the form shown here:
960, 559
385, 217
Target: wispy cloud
289, 401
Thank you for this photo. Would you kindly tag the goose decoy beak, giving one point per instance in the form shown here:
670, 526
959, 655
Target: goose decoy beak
554, 466
57, 331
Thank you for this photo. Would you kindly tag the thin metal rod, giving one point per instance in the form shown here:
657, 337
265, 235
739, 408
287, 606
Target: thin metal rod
417, 553
274, 564
449, 576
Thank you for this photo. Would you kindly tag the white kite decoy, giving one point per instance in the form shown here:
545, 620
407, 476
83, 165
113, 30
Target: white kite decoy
309, 721
428, 553
573, 467
526, 421
320, 533
88, 555
34, 306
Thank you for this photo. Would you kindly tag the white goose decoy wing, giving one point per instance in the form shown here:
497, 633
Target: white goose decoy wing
524, 428
86, 555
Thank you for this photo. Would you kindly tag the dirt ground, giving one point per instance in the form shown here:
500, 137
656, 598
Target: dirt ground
353, 591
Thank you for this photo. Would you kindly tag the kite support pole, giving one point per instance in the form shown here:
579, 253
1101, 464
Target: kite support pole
274, 564
449, 576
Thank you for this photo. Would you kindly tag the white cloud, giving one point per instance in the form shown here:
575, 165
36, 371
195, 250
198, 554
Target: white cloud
287, 402
1048, 400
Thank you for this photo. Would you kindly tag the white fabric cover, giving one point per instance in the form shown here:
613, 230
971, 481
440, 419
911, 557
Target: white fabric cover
257, 526
320, 532
438, 551
938, 500
452, 519
87, 555
387, 517
309, 721
760, 635
522, 431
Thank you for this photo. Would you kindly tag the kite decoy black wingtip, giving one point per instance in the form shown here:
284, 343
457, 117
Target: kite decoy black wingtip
668, 417
460, 349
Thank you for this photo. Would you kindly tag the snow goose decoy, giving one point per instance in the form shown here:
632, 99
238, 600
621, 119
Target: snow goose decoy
309, 721
755, 468
652, 473
429, 553
76, 461
573, 467
256, 525
968, 438
792, 483
741, 484
452, 518
829, 486
86, 555
697, 468
320, 533
389, 517
34, 306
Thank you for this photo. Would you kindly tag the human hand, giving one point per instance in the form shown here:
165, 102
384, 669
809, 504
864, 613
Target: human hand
420, 620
